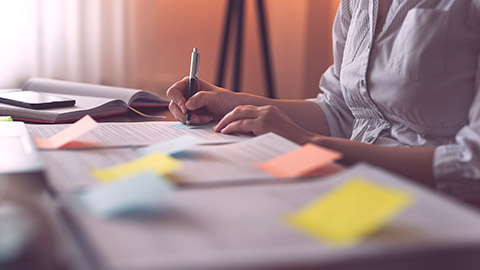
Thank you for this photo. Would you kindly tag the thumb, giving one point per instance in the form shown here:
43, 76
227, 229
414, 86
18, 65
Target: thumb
201, 99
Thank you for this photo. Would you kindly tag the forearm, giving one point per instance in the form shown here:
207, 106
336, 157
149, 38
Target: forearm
412, 162
306, 114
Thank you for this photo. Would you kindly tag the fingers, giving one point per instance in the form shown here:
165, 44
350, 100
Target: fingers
196, 119
242, 126
201, 99
176, 111
177, 93
240, 112
200, 119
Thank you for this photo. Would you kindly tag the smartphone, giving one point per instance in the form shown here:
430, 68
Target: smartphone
35, 100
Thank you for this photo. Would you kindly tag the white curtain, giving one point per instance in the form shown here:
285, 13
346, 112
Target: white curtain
80, 40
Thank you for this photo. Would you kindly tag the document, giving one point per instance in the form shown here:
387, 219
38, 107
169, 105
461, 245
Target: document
171, 147
136, 134
230, 162
244, 228
69, 170
222, 164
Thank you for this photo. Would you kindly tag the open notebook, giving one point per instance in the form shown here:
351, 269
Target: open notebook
95, 100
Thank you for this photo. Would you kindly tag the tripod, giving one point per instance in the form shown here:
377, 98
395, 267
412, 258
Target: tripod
235, 9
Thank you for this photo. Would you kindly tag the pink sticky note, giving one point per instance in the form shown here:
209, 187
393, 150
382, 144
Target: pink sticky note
67, 135
304, 161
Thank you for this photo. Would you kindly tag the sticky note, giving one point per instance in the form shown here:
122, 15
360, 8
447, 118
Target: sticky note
67, 135
139, 194
182, 126
172, 146
158, 163
300, 162
350, 212
6, 118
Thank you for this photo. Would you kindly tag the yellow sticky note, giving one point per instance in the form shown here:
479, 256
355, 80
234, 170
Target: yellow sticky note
352, 211
157, 162
300, 162
67, 135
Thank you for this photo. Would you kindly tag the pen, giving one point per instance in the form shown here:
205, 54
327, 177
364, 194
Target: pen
192, 80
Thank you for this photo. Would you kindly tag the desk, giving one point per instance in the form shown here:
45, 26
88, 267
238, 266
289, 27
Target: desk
241, 228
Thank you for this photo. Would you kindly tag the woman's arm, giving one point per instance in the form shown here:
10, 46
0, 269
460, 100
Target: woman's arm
412, 162
308, 115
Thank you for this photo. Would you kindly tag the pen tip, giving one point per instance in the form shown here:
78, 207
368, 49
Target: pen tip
188, 123
195, 49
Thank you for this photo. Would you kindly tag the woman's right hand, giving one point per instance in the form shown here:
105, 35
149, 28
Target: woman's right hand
210, 103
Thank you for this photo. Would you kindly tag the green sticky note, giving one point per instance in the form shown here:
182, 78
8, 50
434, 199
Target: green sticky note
6, 118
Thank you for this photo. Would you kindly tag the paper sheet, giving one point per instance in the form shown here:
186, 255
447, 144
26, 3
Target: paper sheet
301, 162
137, 133
139, 194
241, 227
221, 164
350, 212
63, 177
172, 146
156, 162
68, 134
231, 162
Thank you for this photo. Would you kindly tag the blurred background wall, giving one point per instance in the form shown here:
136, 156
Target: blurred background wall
147, 43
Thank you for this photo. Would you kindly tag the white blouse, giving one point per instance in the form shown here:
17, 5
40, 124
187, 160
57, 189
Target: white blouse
414, 84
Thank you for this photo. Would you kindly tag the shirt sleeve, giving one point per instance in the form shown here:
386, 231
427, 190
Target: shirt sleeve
331, 101
456, 166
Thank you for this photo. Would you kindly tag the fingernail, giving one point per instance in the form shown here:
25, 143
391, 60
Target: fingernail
183, 109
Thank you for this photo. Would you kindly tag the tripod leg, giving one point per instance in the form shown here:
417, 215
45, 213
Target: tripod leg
237, 64
222, 58
265, 49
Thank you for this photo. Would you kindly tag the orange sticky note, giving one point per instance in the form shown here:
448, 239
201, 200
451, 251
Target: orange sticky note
67, 135
300, 162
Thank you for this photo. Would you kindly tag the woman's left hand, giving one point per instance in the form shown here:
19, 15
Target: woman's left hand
260, 120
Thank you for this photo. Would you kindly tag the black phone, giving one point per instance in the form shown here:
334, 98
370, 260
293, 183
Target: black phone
35, 100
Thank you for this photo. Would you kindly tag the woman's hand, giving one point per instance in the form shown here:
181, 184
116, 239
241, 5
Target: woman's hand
210, 103
260, 120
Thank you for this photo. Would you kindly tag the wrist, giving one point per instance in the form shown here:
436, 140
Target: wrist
321, 140
249, 99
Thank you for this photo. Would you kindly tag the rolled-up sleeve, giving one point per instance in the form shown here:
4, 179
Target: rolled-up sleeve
331, 101
456, 166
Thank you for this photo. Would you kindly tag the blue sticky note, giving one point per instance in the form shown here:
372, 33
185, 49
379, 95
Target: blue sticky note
142, 193
179, 125
170, 147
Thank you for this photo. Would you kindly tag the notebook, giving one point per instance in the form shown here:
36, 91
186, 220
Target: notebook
96, 100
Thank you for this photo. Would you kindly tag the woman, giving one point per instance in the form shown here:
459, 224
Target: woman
401, 94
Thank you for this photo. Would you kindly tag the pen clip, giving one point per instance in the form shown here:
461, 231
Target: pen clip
197, 66
194, 64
